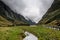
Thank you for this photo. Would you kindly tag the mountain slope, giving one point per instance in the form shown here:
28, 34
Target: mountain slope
52, 14
8, 17
7, 14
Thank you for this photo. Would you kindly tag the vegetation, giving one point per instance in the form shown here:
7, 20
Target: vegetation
9, 18
16, 33
10, 33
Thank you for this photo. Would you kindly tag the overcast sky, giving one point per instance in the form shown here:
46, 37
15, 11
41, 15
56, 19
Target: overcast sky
30, 9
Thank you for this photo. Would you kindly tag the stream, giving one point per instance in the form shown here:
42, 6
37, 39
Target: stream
30, 36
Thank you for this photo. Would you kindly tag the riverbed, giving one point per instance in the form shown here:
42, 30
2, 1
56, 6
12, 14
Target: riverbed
30, 36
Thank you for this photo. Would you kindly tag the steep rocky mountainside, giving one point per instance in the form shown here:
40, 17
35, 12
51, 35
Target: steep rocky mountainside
9, 18
52, 14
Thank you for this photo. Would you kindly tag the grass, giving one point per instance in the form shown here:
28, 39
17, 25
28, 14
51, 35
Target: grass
10, 33
4, 22
44, 33
15, 33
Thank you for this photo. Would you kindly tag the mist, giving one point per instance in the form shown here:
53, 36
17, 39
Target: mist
32, 10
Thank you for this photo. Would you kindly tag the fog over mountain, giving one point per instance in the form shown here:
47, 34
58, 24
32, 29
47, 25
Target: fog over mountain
30, 9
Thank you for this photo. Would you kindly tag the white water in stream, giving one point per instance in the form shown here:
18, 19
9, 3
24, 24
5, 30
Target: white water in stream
30, 9
30, 36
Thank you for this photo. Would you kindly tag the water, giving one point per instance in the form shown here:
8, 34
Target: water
32, 10
30, 36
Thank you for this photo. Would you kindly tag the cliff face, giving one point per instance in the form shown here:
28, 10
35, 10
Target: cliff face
52, 14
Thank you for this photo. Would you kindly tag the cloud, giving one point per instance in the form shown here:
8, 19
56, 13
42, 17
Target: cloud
31, 9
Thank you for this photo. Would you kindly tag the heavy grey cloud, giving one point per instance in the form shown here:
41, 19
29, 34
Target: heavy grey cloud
30, 9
